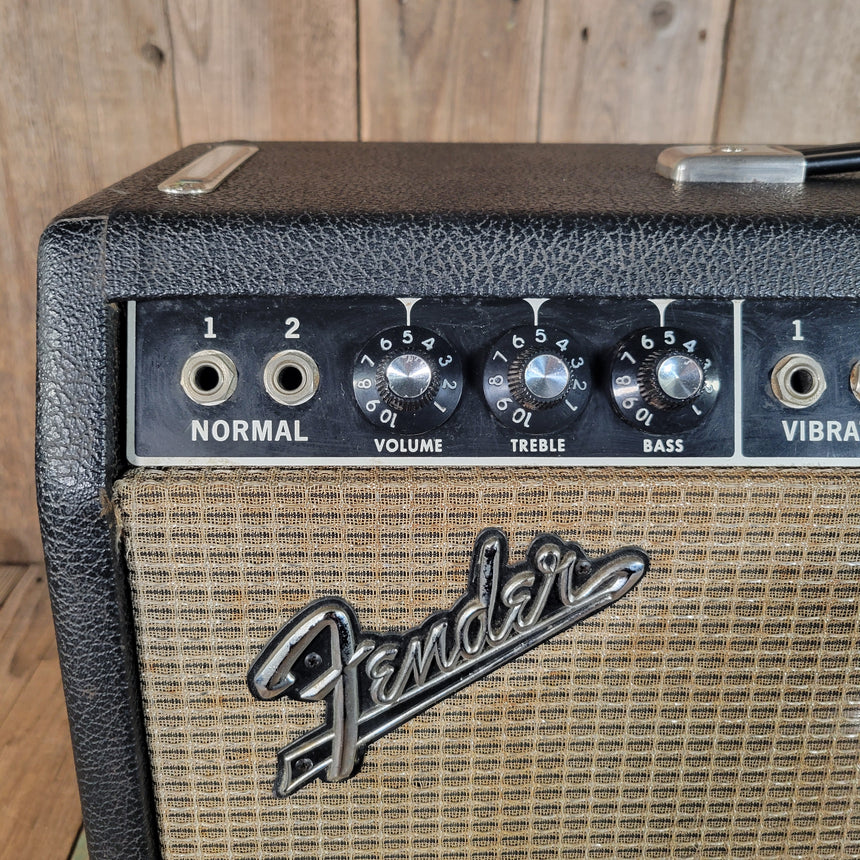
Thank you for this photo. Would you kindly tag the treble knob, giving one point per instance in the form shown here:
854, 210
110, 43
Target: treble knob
664, 380
407, 379
536, 380
540, 380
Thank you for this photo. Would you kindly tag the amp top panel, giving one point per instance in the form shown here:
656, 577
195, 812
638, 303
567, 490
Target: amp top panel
451, 381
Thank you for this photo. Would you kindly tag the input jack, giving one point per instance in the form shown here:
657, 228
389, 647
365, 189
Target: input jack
291, 377
855, 380
209, 377
798, 381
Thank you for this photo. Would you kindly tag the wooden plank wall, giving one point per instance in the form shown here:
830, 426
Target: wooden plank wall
40, 813
95, 89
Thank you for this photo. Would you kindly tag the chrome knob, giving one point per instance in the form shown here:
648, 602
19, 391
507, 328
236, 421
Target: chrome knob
536, 379
408, 376
407, 380
546, 376
679, 377
664, 380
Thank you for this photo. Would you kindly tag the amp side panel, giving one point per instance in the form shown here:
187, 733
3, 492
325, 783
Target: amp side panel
76, 458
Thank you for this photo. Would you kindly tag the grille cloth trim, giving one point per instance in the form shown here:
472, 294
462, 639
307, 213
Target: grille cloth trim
713, 712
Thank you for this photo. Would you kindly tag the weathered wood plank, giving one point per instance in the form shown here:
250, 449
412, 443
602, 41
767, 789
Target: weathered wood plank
26, 636
86, 96
792, 72
38, 793
450, 70
622, 71
265, 69
10, 574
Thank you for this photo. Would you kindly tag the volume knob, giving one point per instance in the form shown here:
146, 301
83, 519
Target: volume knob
407, 380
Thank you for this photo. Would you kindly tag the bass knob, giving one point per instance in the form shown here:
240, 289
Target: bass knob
663, 380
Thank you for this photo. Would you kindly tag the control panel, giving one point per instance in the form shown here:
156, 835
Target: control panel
592, 381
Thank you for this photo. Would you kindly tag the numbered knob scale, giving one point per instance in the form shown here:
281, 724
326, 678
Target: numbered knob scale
536, 380
663, 380
408, 380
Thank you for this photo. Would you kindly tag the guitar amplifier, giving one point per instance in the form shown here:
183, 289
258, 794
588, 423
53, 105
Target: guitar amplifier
455, 501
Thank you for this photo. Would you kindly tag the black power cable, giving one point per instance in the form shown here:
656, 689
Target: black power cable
839, 158
836, 147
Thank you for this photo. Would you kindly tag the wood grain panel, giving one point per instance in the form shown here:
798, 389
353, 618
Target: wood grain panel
38, 793
86, 97
450, 70
793, 72
641, 71
10, 574
265, 69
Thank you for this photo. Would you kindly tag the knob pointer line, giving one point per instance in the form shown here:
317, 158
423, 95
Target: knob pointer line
661, 305
372, 684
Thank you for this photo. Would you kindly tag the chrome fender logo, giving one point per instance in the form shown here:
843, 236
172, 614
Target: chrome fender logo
373, 683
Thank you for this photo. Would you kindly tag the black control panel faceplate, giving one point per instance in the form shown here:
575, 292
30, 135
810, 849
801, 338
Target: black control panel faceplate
356, 414
828, 333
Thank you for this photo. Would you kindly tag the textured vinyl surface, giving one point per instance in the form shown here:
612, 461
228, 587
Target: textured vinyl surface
713, 712
422, 219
